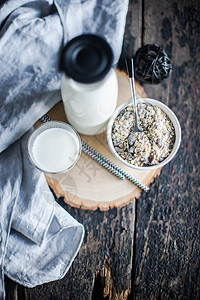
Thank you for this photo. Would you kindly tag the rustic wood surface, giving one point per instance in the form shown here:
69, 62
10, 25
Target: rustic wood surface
167, 240
163, 261
107, 190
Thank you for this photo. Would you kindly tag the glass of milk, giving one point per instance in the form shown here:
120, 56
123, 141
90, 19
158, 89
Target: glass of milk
54, 147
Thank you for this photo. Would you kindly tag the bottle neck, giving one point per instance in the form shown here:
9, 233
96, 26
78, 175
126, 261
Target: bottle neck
88, 86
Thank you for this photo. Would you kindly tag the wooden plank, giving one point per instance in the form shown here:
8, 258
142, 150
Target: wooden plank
104, 263
133, 31
157, 29
167, 251
14, 291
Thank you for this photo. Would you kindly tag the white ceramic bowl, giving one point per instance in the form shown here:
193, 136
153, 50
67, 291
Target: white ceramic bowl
169, 113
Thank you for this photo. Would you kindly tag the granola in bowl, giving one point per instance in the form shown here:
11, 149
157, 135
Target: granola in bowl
153, 147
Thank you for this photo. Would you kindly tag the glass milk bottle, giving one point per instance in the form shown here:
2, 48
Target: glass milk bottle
89, 85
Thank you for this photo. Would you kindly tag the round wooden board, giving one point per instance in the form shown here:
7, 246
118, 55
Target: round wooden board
90, 186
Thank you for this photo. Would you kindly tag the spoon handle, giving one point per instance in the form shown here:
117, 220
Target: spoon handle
130, 67
130, 70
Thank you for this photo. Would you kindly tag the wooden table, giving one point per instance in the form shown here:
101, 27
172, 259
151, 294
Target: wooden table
150, 248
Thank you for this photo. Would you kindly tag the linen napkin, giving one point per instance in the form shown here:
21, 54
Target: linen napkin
39, 238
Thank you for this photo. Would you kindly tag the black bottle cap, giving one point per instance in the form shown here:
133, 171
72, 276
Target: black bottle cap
86, 58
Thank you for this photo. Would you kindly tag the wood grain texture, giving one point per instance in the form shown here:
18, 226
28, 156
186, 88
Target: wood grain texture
164, 262
133, 31
104, 263
89, 185
167, 251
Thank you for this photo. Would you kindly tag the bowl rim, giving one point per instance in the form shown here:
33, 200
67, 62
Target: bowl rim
46, 126
171, 116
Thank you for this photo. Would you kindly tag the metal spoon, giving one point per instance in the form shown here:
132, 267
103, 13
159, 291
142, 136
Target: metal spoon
130, 70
